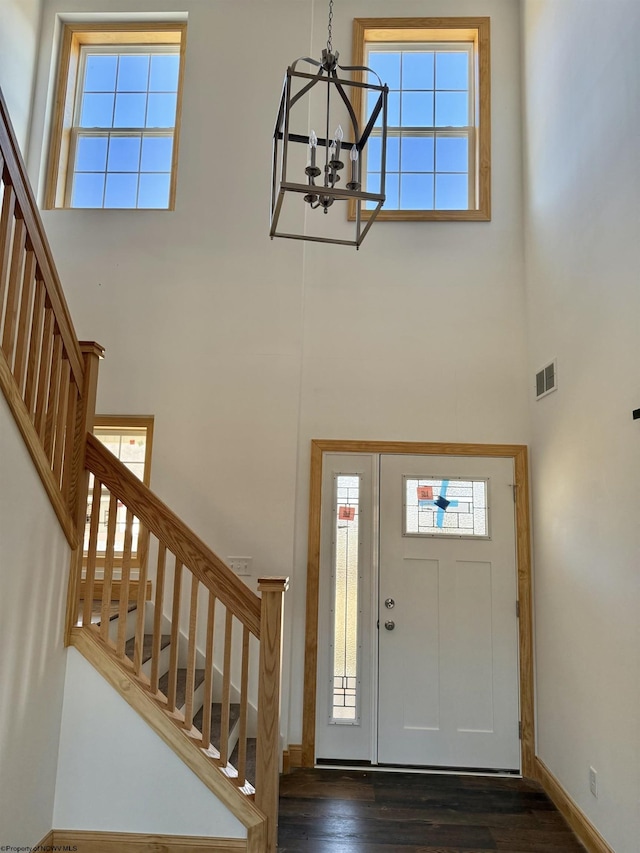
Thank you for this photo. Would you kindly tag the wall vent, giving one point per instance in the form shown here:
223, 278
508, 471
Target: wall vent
547, 380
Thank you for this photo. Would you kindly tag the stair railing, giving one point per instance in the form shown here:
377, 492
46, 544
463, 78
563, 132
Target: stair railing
223, 640
42, 369
49, 380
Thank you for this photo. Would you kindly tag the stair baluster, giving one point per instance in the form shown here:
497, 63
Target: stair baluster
157, 618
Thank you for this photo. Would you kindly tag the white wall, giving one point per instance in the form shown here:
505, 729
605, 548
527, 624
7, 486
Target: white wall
245, 349
34, 565
583, 259
19, 34
108, 754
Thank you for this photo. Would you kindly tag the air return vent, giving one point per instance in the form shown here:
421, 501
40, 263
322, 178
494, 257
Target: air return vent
546, 380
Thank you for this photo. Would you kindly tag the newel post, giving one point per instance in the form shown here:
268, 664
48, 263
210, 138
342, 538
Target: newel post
268, 734
91, 354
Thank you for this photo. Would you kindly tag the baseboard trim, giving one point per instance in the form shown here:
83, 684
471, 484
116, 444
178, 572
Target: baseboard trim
295, 755
47, 842
575, 817
129, 842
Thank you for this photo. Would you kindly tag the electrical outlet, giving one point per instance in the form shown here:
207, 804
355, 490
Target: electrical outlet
240, 565
593, 782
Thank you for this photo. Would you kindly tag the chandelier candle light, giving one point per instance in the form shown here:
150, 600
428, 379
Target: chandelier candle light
321, 189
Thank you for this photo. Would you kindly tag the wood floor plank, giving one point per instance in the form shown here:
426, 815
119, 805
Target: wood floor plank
364, 811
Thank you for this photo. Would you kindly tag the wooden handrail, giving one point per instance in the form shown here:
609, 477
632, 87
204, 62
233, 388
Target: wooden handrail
210, 570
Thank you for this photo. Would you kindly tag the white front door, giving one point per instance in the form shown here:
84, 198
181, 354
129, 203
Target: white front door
448, 683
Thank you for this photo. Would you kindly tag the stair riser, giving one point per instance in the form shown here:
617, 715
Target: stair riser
130, 629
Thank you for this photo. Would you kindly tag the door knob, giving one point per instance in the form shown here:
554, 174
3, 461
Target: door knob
389, 625
389, 603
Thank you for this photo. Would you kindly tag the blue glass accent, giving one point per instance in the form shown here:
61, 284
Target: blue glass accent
156, 154
416, 192
161, 111
87, 190
452, 154
417, 70
452, 70
164, 72
121, 190
452, 192
417, 154
97, 111
130, 110
417, 109
154, 191
100, 73
133, 73
386, 65
124, 154
452, 109
91, 154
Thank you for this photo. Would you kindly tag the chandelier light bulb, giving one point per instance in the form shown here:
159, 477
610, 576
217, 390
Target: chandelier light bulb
339, 134
313, 144
354, 154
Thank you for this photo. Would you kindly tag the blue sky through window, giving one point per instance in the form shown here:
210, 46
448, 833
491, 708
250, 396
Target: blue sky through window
429, 89
122, 94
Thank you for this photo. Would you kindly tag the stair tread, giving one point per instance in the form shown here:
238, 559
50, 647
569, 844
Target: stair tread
147, 645
181, 684
250, 763
96, 611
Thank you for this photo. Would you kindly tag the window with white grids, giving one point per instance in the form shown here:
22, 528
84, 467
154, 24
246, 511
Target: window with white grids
115, 143
437, 158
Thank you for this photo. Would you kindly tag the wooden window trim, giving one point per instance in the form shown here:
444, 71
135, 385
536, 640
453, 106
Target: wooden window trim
74, 36
370, 30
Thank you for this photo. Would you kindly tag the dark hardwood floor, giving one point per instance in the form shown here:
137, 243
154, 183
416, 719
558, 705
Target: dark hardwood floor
340, 811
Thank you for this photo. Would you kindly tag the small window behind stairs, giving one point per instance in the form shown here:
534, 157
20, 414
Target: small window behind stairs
130, 438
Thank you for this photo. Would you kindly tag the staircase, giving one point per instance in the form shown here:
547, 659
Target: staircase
182, 675
200, 660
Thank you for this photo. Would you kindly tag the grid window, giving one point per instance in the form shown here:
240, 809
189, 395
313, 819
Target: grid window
119, 149
437, 157
130, 439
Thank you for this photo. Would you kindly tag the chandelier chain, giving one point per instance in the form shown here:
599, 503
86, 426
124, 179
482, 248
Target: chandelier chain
330, 29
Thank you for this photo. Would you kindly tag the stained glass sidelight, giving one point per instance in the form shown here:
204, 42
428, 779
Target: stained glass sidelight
345, 601
446, 507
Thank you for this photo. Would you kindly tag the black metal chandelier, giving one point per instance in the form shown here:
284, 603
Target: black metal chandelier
308, 168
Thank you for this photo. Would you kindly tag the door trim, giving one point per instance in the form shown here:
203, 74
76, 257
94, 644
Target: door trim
519, 454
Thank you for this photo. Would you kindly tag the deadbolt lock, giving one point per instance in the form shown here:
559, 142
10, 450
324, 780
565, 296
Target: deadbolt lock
389, 603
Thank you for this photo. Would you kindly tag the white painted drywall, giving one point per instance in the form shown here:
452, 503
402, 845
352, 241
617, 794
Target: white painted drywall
583, 271
19, 41
245, 349
116, 774
34, 565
